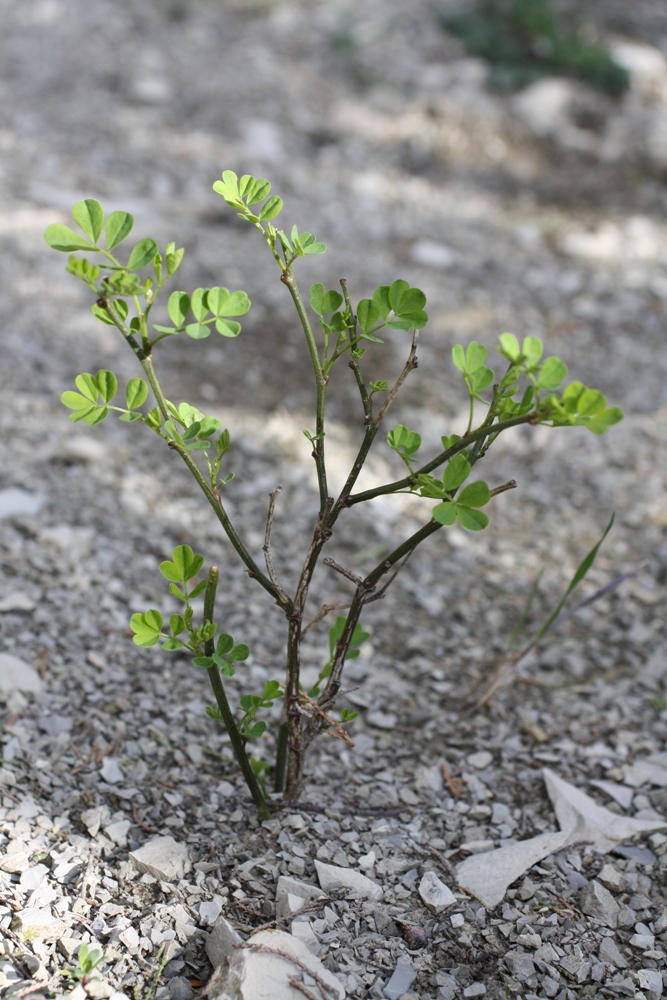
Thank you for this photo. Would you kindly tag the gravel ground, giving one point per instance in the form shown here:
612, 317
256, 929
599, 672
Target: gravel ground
380, 135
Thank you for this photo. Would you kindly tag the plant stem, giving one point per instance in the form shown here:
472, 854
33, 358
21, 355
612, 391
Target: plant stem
281, 599
366, 401
320, 381
237, 741
444, 456
281, 758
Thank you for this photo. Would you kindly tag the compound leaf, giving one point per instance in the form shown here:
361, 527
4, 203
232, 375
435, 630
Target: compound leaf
445, 513
107, 384
62, 238
473, 520
475, 495
135, 393
119, 226
89, 215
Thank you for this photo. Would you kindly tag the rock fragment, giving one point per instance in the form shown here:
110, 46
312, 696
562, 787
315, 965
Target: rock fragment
488, 875
163, 858
303, 931
111, 772
586, 820
15, 502
650, 980
520, 964
609, 952
598, 902
331, 877
17, 675
17, 601
401, 980
291, 895
38, 925
221, 941
263, 967
435, 893
93, 818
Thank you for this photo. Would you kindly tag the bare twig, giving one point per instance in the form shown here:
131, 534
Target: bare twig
324, 610
410, 364
266, 548
377, 596
301, 988
264, 949
511, 484
339, 733
453, 784
348, 574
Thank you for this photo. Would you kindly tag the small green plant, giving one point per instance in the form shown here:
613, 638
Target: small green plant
528, 391
87, 962
524, 40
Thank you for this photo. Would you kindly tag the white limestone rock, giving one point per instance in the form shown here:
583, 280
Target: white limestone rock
221, 941
163, 858
262, 968
15, 502
487, 876
585, 820
291, 895
17, 675
38, 925
435, 893
331, 877
303, 931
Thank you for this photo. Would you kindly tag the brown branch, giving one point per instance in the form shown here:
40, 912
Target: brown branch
264, 949
339, 733
348, 574
324, 610
266, 548
301, 988
410, 364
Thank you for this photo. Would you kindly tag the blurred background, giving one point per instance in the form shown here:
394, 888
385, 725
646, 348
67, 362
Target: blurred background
507, 156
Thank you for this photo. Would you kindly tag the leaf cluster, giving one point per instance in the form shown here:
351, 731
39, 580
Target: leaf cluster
87, 961
244, 192
397, 306
218, 301
208, 307
92, 402
465, 506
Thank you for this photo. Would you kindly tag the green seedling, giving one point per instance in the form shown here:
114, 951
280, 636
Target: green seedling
127, 293
87, 962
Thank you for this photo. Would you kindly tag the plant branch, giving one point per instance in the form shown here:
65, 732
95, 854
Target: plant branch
409, 366
266, 548
237, 741
288, 279
354, 363
348, 574
324, 610
371, 430
444, 456
511, 484
214, 500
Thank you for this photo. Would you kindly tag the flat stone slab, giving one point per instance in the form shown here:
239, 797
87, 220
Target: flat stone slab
332, 877
261, 969
38, 925
435, 893
163, 858
222, 941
